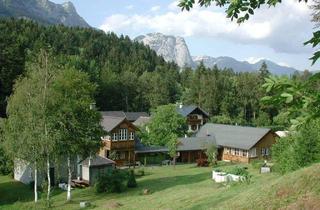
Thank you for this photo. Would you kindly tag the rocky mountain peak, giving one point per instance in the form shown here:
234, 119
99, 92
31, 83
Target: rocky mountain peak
43, 11
171, 48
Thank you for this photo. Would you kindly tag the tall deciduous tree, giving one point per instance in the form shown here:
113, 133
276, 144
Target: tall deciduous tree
165, 127
78, 125
28, 131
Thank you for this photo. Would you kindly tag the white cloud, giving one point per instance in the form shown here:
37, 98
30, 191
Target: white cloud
174, 6
283, 28
155, 8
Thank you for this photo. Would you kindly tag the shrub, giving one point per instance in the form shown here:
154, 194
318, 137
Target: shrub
283, 155
202, 163
111, 182
217, 170
211, 153
100, 185
240, 171
132, 183
257, 164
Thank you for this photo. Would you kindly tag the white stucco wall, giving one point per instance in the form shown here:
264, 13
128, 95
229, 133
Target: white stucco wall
23, 171
85, 173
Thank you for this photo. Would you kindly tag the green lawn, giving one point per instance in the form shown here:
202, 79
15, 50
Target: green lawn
186, 187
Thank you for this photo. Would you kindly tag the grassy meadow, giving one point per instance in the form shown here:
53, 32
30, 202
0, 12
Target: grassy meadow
185, 187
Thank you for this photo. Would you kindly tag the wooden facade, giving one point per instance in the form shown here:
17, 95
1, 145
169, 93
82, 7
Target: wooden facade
196, 119
191, 156
261, 150
120, 140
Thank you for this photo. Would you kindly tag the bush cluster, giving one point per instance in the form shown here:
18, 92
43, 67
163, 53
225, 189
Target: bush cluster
300, 149
115, 181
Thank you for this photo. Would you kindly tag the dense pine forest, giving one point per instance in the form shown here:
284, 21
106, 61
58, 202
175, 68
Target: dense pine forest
130, 76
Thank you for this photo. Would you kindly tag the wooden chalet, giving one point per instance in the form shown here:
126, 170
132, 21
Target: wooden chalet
119, 144
196, 117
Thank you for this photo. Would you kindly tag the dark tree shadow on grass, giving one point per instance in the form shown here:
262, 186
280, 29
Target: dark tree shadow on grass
12, 191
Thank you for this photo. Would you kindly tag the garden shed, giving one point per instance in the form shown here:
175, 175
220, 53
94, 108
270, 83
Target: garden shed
94, 167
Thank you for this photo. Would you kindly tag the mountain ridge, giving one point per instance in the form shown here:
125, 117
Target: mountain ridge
243, 66
174, 48
43, 11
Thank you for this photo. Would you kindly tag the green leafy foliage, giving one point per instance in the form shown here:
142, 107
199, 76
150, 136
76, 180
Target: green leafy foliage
211, 153
283, 155
165, 127
297, 98
115, 64
6, 163
299, 149
113, 182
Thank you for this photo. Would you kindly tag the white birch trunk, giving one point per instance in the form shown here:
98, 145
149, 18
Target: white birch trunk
69, 180
49, 179
35, 183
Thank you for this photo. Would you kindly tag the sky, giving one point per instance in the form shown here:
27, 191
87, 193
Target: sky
275, 33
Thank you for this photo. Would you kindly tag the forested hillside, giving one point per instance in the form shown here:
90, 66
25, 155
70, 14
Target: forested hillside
129, 75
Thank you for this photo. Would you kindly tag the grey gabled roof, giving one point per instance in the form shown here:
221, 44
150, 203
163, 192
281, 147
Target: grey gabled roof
97, 161
110, 122
185, 110
113, 113
141, 121
195, 143
233, 136
133, 116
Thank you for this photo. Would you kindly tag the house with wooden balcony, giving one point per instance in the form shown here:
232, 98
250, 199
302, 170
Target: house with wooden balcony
196, 117
119, 143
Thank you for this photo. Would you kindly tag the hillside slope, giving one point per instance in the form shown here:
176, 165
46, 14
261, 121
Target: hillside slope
296, 190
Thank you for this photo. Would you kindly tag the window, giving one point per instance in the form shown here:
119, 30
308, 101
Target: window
131, 136
244, 153
115, 136
264, 151
237, 152
228, 150
232, 151
253, 152
123, 134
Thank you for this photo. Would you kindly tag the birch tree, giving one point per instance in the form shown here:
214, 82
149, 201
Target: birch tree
79, 126
27, 130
